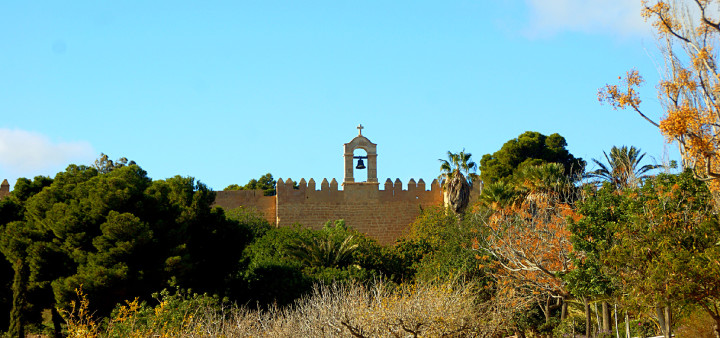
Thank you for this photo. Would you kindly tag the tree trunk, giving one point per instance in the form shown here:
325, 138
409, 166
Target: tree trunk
547, 309
57, 322
17, 314
627, 325
716, 318
563, 311
668, 321
587, 317
661, 319
617, 329
664, 315
597, 318
573, 329
607, 326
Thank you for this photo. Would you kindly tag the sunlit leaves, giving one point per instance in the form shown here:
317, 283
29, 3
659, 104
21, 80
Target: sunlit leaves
690, 89
623, 95
664, 251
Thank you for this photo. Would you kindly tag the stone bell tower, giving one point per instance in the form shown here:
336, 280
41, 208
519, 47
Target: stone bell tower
4, 189
360, 142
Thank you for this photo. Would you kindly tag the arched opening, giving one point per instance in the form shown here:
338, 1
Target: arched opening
360, 156
366, 149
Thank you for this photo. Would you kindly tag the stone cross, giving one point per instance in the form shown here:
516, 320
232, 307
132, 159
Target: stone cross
360, 128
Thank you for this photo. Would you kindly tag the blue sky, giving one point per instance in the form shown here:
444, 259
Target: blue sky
228, 91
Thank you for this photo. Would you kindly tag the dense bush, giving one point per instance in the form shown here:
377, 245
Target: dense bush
438, 248
285, 262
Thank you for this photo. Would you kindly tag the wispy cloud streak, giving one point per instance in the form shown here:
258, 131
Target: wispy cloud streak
26, 153
613, 17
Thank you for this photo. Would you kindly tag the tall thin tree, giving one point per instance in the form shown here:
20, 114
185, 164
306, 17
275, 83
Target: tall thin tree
457, 178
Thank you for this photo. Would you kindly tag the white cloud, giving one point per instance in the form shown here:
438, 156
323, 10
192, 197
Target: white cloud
613, 17
29, 153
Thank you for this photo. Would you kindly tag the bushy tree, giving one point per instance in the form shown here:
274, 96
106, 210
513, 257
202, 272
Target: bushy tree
267, 274
266, 183
531, 250
529, 148
297, 256
666, 254
117, 233
436, 249
525, 242
592, 235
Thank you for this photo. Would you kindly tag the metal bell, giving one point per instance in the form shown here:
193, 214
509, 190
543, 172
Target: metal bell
360, 164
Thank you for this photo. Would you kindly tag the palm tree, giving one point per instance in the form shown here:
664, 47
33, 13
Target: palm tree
323, 252
546, 181
456, 178
541, 177
622, 169
498, 194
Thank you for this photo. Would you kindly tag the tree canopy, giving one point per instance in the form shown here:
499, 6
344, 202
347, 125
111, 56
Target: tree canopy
266, 183
529, 148
117, 233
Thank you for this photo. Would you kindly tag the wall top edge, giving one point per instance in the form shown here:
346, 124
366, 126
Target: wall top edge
389, 184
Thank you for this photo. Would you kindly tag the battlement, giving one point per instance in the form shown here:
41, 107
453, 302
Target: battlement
333, 185
351, 191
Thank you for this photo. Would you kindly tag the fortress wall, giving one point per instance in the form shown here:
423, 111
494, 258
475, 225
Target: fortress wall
253, 199
382, 214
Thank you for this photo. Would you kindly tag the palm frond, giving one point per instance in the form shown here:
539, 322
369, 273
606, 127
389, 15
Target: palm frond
622, 169
457, 177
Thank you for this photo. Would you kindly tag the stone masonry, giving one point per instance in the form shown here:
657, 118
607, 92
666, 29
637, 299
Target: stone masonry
4, 189
381, 214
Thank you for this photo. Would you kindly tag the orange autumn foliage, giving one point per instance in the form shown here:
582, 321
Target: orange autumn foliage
531, 246
690, 89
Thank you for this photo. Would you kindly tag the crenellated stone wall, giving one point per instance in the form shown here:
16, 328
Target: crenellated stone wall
382, 214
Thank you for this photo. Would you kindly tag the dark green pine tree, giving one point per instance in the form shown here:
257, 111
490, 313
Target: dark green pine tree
19, 302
